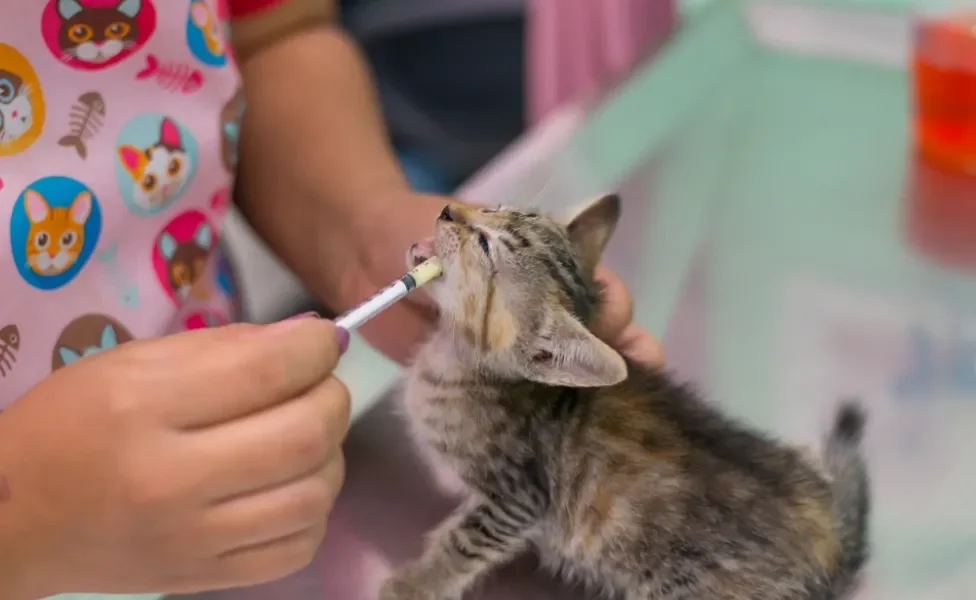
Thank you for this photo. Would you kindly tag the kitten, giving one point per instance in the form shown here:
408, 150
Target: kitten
16, 112
186, 261
160, 171
57, 234
109, 339
619, 477
97, 35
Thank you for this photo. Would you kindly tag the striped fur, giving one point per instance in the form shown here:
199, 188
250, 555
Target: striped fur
619, 477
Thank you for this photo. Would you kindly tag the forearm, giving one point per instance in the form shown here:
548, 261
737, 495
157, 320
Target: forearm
316, 163
17, 540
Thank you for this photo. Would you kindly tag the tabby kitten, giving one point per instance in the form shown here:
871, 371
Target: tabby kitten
621, 478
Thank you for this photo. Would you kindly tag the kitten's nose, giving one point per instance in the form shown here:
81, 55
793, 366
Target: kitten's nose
446, 214
456, 213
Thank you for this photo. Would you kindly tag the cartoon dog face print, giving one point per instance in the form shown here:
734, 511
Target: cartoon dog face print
87, 335
95, 34
57, 234
186, 261
54, 228
159, 171
21, 102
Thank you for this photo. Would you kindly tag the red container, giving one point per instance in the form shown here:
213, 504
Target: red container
940, 216
944, 65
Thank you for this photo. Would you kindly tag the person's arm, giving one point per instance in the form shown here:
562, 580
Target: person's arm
319, 182
318, 176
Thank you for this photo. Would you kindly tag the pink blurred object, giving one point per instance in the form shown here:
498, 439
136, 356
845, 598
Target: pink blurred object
578, 46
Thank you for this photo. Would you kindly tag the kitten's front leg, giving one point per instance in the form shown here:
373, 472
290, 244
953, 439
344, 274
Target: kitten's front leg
478, 537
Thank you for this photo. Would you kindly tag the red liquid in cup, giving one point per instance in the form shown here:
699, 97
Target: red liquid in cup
945, 91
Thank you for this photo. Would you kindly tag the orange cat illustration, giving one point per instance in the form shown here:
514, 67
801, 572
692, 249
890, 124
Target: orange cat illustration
208, 24
57, 234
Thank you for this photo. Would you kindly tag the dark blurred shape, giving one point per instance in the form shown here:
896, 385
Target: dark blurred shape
941, 214
450, 76
945, 89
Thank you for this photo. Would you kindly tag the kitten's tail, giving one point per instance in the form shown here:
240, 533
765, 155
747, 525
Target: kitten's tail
851, 488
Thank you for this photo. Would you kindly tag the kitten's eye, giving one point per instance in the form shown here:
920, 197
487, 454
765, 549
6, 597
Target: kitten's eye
117, 30
542, 356
68, 239
42, 240
80, 33
483, 242
6, 90
149, 183
174, 167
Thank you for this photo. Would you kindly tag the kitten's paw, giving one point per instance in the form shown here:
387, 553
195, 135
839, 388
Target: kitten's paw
396, 589
403, 586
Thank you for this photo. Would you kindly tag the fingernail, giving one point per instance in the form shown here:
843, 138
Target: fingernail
343, 336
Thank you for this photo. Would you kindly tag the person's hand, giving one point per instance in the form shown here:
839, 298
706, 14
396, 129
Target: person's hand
204, 460
398, 330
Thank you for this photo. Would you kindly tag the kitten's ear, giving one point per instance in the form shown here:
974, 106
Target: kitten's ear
167, 246
590, 228
36, 206
67, 355
69, 8
131, 158
203, 237
109, 339
81, 208
570, 355
169, 133
129, 8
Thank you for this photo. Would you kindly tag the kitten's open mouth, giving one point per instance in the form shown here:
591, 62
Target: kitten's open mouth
422, 250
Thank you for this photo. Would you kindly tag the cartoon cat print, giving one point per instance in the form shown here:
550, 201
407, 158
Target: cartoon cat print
57, 234
109, 339
160, 171
96, 35
209, 25
186, 261
16, 112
